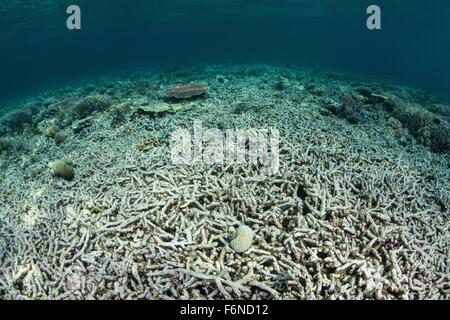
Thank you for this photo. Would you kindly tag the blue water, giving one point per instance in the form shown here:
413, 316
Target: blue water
37, 50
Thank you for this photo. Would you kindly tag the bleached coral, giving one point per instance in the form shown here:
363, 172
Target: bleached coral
348, 216
243, 239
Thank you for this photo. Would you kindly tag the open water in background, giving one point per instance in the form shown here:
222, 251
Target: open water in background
38, 51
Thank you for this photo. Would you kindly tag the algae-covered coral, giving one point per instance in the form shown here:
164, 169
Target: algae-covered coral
62, 168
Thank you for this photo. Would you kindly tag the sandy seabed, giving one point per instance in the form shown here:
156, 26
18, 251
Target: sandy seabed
356, 211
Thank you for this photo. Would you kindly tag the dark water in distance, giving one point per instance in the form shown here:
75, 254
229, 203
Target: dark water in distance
37, 50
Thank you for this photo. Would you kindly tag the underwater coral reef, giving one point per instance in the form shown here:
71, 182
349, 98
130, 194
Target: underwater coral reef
357, 210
